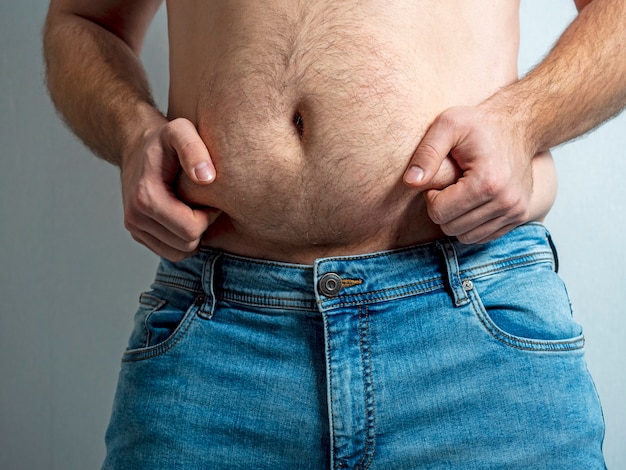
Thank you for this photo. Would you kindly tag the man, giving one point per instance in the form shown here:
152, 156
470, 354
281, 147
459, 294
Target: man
353, 272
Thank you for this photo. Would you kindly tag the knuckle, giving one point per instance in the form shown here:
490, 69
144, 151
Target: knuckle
509, 202
191, 235
189, 152
448, 230
173, 126
135, 236
180, 130
177, 124
436, 216
429, 155
131, 221
448, 118
513, 205
491, 186
458, 117
186, 242
520, 214
143, 200
524, 215
170, 131
465, 238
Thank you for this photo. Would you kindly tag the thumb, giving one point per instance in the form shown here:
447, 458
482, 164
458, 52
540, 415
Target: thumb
431, 152
192, 153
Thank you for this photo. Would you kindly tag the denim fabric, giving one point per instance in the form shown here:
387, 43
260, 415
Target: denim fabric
437, 356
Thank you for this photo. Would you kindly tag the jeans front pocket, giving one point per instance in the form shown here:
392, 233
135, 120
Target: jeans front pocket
160, 322
527, 308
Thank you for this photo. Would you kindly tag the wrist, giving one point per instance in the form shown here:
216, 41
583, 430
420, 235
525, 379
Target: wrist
517, 113
146, 121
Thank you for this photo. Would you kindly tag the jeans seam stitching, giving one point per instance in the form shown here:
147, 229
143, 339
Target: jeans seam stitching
504, 265
153, 304
251, 299
329, 389
524, 344
167, 345
369, 440
191, 286
432, 288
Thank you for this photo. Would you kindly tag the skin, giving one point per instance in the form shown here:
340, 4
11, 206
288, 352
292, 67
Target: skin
324, 129
540, 111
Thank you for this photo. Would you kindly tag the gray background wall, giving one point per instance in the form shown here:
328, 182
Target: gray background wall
70, 274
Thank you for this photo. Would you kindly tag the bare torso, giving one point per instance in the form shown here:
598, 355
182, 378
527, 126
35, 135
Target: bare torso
311, 111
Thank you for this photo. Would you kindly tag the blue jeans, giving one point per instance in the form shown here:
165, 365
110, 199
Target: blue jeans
437, 356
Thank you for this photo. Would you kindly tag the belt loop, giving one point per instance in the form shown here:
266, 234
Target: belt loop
555, 253
452, 267
206, 301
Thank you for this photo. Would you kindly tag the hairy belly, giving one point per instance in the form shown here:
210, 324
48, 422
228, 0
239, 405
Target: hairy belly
323, 177
321, 169
311, 123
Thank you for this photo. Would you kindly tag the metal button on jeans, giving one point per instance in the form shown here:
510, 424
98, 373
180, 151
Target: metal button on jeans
330, 284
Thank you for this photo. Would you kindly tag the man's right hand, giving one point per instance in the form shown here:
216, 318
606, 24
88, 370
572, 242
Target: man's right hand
153, 214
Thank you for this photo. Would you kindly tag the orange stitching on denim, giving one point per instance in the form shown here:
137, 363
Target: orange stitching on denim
351, 282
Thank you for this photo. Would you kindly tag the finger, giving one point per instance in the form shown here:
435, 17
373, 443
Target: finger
496, 229
184, 140
499, 233
146, 226
159, 203
161, 248
485, 223
450, 203
448, 174
439, 140
158, 231
182, 221
481, 216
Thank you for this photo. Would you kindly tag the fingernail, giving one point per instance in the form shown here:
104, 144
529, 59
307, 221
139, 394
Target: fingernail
202, 172
414, 175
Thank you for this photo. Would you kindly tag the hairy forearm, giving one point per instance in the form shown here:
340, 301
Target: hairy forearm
98, 85
580, 84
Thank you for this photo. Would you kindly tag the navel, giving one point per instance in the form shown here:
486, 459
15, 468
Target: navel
298, 123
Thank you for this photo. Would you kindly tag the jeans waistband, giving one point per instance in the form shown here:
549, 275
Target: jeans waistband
337, 282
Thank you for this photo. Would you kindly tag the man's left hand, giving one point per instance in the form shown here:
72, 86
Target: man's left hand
493, 194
